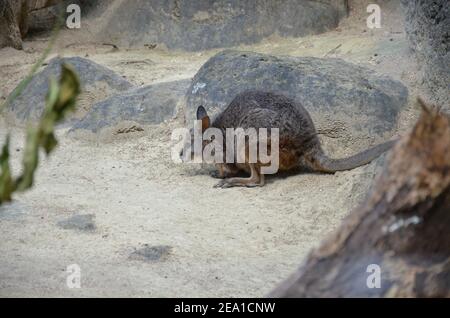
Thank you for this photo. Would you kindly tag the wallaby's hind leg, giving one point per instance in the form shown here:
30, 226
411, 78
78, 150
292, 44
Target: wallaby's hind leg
256, 179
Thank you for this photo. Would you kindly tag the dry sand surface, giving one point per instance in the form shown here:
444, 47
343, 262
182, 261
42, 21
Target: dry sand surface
138, 224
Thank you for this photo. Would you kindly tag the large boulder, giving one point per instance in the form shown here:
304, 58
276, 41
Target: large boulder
428, 28
97, 83
204, 24
342, 98
146, 105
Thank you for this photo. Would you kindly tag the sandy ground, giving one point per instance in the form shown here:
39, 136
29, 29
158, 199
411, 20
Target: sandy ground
155, 228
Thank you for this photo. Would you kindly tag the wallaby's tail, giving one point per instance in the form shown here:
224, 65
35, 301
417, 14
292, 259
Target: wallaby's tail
324, 164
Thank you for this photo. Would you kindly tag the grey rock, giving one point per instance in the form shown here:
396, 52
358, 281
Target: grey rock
151, 253
340, 96
80, 222
12, 211
205, 24
427, 25
146, 105
96, 81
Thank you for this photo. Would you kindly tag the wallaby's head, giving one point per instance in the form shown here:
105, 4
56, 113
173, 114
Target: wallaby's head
203, 118
202, 115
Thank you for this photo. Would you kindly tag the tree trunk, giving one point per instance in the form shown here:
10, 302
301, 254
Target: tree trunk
14, 15
41, 4
13, 22
403, 228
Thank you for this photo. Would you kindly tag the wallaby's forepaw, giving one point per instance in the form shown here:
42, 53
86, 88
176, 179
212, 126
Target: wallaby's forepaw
216, 174
227, 183
223, 184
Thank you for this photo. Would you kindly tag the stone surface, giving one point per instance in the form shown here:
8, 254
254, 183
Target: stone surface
151, 253
146, 105
81, 222
13, 211
428, 28
341, 97
204, 24
97, 82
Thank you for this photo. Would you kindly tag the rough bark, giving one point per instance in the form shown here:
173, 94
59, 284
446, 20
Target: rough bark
14, 16
13, 22
41, 4
427, 27
403, 227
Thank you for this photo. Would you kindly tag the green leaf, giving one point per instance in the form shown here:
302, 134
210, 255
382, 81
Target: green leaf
30, 160
69, 90
6, 182
49, 143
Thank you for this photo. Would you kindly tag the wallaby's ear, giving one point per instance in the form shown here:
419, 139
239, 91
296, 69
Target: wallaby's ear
203, 116
201, 112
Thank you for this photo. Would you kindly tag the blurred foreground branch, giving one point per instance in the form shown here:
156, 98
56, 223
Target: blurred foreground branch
60, 100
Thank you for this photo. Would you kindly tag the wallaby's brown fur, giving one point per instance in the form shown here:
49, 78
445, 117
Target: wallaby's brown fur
299, 145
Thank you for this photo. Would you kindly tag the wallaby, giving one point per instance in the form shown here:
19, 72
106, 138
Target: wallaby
299, 145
